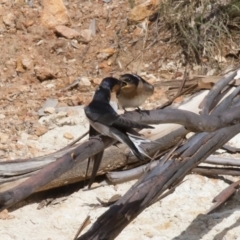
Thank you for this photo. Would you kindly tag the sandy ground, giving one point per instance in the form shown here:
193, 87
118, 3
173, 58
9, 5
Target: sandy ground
181, 215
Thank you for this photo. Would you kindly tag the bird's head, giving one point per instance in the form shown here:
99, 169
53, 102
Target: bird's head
129, 82
111, 84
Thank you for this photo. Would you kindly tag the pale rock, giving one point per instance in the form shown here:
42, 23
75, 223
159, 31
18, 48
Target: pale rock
11, 63
2, 116
3, 146
49, 110
84, 84
106, 53
68, 135
40, 130
67, 32
27, 62
92, 27
96, 81
19, 66
2, 153
212, 72
54, 13
19, 3
86, 34
95, 185
4, 137
9, 20
44, 73
50, 85
143, 10
31, 145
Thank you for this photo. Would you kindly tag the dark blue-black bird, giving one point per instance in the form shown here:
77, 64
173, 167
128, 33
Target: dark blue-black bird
104, 120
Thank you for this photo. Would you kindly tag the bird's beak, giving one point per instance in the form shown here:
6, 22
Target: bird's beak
125, 85
116, 88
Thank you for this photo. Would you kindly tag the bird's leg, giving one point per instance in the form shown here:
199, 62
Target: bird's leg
139, 110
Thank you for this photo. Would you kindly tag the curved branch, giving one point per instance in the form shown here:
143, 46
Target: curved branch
190, 120
216, 89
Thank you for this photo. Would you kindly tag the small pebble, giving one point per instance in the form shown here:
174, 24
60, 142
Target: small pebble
68, 135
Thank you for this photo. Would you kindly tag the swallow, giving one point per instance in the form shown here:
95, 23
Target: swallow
105, 120
134, 91
96, 159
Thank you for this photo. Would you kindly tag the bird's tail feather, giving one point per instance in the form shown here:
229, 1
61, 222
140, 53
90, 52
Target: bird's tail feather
124, 138
138, 141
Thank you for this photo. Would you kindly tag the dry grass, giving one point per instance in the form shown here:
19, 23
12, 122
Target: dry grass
205, 29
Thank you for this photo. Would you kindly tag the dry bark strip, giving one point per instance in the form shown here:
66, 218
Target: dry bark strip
224, 195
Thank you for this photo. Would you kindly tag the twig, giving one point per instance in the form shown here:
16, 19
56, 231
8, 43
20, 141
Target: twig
75, 141
72, 85
179, 93
85, 223
224, 195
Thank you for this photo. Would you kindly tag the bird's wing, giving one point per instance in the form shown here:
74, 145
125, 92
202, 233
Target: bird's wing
126, 123
101, 112
96, 159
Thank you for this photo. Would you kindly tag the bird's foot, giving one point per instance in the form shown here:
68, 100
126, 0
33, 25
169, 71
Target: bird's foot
138, 109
